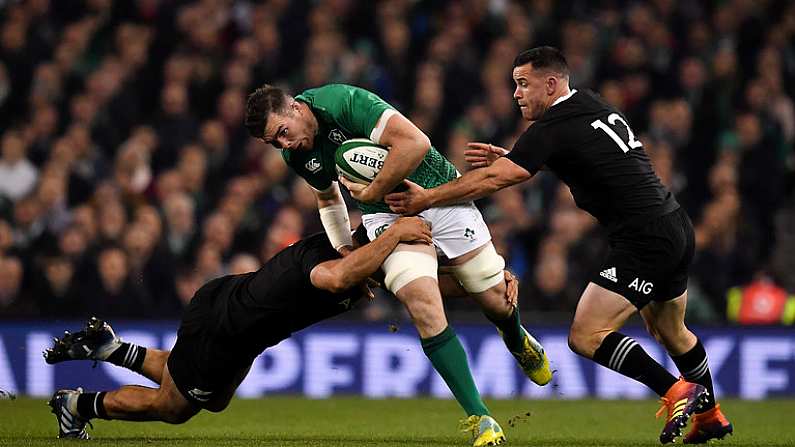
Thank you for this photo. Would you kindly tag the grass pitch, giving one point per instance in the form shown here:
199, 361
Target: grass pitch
352, 422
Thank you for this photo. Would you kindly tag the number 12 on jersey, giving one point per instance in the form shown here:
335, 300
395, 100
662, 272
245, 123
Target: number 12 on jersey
612, 118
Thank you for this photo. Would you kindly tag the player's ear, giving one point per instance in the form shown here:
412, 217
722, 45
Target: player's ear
551, 85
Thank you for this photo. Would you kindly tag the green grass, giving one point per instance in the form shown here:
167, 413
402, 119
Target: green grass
351, 422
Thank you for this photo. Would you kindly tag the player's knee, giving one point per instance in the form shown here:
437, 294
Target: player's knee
174, 411
583, 341
403, 267
673, 336
575, 343
176, 414
652, 330
482, 272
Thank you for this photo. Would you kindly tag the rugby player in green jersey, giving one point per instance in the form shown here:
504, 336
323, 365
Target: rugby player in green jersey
307, 129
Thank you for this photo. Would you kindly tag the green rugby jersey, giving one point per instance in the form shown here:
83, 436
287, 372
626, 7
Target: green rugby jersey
344, 112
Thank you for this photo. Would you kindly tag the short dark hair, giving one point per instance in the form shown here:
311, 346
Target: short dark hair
260, 104
543, 58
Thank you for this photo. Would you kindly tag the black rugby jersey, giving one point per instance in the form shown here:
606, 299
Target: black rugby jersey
279, 298
590, 146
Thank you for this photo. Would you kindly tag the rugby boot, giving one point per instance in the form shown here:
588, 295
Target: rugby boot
681, 401
484, 430
64, 407
94, 342
711, 424
533, 360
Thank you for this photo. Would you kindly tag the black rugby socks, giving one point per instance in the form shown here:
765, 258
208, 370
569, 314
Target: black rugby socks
129, 356
694, 367
92, 405
511, 329
624, 355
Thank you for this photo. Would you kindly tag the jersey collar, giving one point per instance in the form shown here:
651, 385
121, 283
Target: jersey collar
563, 98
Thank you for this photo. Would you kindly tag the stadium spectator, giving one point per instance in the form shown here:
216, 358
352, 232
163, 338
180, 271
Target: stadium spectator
13, 303
17, 174
119, 294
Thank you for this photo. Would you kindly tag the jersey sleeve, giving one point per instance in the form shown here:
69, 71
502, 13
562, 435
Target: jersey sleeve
316, 249
531, 150
354, 108
305, 170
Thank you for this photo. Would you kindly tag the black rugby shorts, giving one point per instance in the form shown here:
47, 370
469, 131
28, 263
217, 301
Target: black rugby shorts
649, 262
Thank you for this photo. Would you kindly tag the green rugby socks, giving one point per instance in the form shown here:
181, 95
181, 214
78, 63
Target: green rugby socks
450, 361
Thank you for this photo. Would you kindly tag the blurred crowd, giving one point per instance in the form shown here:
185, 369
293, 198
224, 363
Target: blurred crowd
127, 178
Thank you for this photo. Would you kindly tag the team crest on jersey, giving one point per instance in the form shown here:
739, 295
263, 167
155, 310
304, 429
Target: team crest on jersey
313, 165
336, 136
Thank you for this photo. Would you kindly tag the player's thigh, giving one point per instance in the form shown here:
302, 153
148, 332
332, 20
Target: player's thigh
410, 273
409, 263
173, 406
599, 312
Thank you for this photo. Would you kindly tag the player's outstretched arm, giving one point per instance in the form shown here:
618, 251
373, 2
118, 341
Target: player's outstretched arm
341, 274
470, 186
408, 145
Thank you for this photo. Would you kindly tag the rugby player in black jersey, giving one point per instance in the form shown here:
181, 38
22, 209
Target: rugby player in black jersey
591, 147
227, 324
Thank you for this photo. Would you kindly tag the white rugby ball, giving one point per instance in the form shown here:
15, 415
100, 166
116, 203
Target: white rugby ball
360, 160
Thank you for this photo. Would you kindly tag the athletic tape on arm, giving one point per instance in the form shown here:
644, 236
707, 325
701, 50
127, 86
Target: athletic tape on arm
378, 130
337, 225
403, 267
482, 272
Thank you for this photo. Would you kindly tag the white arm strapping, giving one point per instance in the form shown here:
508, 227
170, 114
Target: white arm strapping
337, 225
378, 130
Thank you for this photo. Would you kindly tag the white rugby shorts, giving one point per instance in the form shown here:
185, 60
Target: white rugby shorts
456, 229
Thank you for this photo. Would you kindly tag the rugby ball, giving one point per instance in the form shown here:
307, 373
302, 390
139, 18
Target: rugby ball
360, 160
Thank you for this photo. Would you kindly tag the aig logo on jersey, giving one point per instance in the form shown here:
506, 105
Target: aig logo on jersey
336, 136
312, 165
641, 286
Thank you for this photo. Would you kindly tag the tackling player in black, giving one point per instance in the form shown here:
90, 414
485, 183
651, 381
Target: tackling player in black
590, 146
227, 324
